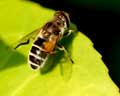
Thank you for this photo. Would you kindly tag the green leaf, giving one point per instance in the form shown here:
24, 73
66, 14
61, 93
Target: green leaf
89, 75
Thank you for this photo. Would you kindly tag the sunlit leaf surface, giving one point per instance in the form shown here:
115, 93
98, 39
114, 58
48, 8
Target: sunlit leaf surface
89, 75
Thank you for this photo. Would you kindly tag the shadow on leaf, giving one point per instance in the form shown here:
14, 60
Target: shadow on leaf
9, 57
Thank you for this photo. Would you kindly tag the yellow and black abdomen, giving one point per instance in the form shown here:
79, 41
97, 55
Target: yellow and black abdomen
37, 56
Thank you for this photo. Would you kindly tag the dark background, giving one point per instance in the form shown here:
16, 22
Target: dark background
100, 21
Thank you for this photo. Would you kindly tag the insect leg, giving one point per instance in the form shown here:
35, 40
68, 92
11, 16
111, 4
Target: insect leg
23, 43
53, 52
73, 28
68, 32
62, 48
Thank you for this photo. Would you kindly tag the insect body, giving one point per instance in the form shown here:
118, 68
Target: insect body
47, 39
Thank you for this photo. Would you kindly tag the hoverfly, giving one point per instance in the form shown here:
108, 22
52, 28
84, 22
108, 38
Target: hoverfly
47, 40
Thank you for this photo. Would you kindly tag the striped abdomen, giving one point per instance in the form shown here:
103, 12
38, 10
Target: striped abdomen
36, 55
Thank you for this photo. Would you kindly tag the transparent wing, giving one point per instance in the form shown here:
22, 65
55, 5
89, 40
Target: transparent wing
66, 67
59, 59
26, 39
49, 64
66, 62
